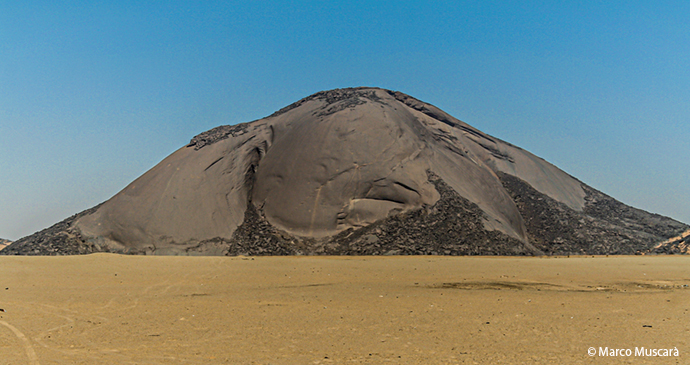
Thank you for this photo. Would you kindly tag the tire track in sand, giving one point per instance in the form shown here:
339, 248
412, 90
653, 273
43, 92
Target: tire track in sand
30, 353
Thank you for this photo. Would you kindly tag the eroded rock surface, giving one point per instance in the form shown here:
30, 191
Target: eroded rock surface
358, 171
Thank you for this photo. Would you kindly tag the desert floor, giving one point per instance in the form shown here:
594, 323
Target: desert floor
111, 309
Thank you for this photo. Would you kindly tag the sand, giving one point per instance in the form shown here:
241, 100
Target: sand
111, 309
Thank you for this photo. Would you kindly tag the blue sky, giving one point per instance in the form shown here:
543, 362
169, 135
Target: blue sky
94, 93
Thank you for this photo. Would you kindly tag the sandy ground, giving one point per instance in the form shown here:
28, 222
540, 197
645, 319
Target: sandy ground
110, 309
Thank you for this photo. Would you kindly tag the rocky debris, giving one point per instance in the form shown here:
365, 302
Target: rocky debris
674, 245
602, 206
59, 239
217, 134
4, 243
452, 226
679, 247
255, 236
557, 229
337, 99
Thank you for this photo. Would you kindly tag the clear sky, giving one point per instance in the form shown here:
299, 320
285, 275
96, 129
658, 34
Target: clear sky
94, 93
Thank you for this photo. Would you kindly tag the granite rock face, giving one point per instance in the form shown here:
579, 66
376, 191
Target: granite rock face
359, 171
